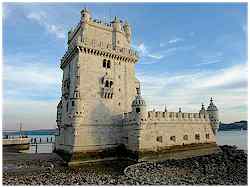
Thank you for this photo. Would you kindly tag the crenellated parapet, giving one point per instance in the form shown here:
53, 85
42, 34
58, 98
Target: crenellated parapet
161, 116
176, 116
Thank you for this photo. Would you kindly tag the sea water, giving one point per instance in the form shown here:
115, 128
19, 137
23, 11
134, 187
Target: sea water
237, 138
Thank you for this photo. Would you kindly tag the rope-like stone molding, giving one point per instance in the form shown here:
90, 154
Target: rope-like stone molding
87, 50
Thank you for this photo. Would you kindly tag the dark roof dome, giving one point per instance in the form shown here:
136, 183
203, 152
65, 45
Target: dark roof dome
138, 101
211, 106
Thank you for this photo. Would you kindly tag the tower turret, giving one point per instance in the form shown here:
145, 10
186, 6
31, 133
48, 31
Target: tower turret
139, 106
85, 15
116, 24
127, 30
203, 113
213, 115
76, 108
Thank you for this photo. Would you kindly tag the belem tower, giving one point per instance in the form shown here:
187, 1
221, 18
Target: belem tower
102, 114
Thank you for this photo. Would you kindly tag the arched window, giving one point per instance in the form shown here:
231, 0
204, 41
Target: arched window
159, 139
67, 107
172, 138
72, 103
107, 83
108, 64
185, 137
111, 83
104, 63
207, 136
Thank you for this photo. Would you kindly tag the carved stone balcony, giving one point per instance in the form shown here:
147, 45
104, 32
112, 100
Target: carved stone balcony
107, 93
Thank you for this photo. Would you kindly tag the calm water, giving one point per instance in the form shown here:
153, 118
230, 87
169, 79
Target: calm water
238, 138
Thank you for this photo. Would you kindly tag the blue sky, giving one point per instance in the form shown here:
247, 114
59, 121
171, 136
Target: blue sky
188, 53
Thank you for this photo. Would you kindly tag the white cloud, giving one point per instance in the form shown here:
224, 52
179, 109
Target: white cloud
175, 40
28, 76
42, 19
188, 90
144, 52
211, 59
224, 77
209, 62
5, 11
162, 44
155, 56
149, 57
31, 89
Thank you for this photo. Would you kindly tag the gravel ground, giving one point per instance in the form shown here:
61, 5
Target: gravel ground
226, 168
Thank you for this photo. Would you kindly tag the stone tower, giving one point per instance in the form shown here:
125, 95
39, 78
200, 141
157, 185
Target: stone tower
98, 86
213, 115
139, 106
102, 115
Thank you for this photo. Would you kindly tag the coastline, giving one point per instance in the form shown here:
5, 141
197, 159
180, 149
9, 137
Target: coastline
226, 168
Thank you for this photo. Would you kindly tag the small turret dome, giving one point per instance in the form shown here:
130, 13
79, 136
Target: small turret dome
211, 106
138, 101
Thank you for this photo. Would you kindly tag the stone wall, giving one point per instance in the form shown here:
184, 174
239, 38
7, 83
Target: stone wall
158, 135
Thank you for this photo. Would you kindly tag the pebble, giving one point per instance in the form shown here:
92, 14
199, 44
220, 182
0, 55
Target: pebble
226, 168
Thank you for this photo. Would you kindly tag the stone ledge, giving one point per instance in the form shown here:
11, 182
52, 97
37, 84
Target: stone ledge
179, 152
120, 152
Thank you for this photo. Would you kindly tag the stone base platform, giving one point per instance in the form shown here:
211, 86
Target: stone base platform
179, 152
120, 152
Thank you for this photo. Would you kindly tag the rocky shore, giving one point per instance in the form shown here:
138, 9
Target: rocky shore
226, 168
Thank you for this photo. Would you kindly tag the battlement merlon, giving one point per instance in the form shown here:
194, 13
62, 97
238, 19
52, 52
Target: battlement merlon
168, 116
116, 25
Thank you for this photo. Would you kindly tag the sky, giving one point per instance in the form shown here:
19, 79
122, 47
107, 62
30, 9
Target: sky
188, 53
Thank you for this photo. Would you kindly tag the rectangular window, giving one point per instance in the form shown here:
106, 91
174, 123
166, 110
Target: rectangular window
73, 103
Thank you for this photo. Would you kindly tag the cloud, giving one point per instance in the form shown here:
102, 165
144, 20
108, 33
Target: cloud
191, 34
162, 44
31, 78
144, 52
148, 57
42, 19
31, 90
175, 40
224, 77
211, 59
5, 11
189, 89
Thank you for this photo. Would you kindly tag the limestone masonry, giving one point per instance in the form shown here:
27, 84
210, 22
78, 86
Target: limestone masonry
102, 115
